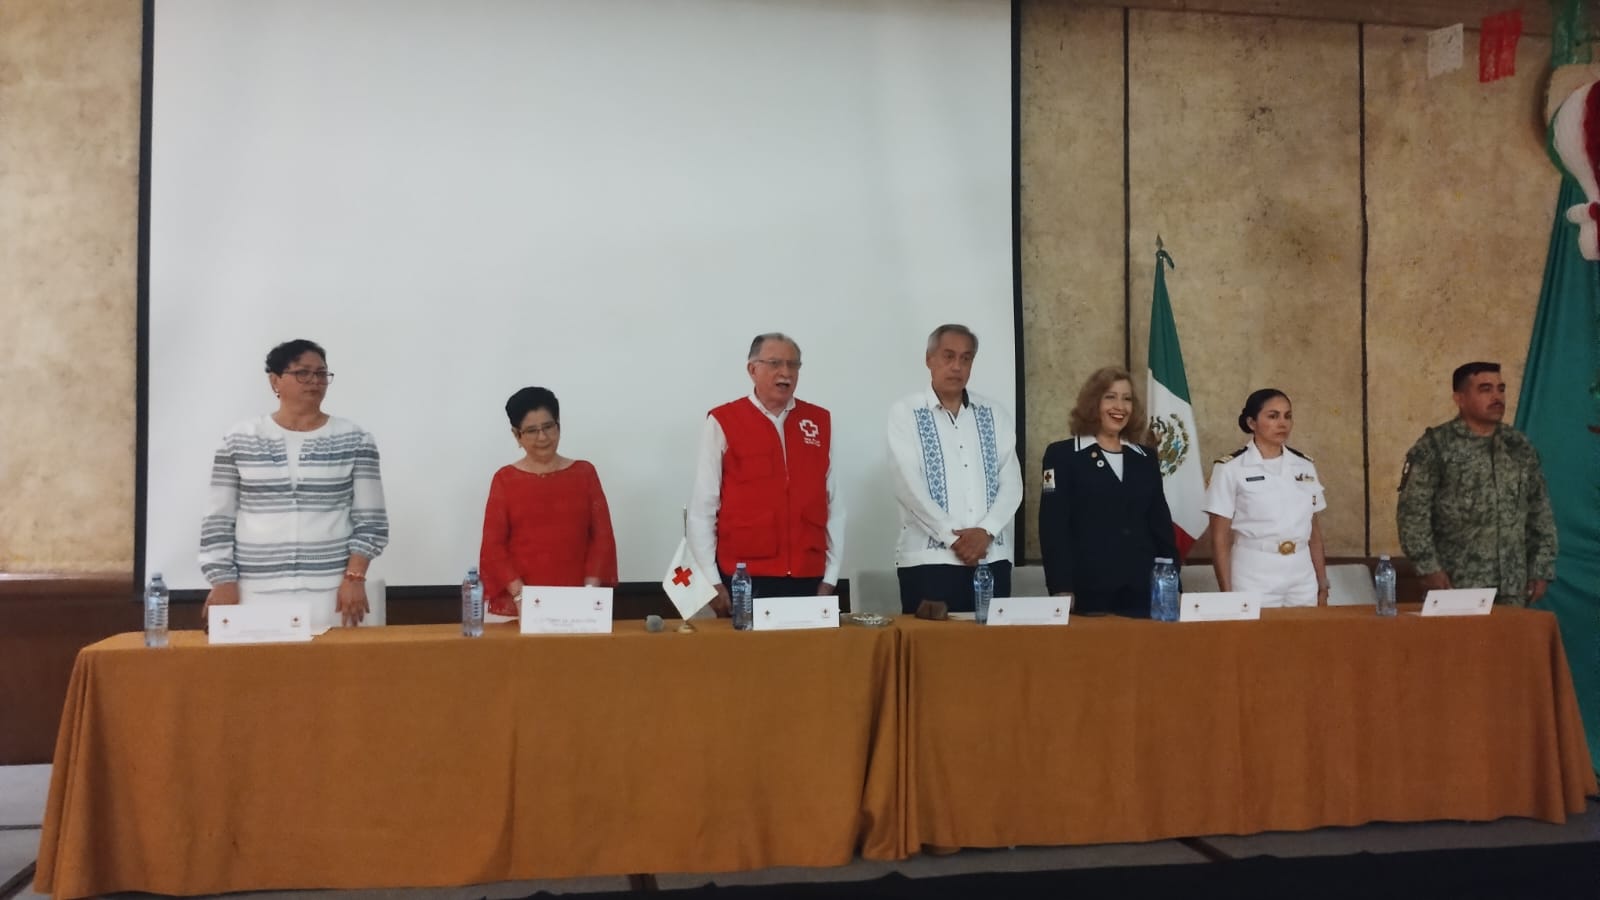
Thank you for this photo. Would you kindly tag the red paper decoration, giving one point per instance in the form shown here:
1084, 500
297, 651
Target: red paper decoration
1497, 45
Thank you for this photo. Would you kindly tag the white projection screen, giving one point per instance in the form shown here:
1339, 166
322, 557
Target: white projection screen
609, 198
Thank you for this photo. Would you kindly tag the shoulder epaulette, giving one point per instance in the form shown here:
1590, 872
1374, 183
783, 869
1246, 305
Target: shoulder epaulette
1228, 456
1298, 453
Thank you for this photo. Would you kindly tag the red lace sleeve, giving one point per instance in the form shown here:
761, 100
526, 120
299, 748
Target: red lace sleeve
601, 560
494, 554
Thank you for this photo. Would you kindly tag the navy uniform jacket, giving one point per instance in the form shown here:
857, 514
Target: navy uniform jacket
1100, 534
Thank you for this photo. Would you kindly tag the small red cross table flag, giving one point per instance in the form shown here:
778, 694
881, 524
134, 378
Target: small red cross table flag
686, 585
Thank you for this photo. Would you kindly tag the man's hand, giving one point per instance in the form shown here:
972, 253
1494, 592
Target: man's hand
720, 603
1536, 589
1436, 581
224, 594
825, 590
971, 546
352, 602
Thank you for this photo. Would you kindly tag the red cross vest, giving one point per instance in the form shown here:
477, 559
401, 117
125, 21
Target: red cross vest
774, 512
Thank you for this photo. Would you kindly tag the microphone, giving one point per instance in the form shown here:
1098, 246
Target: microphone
652, 623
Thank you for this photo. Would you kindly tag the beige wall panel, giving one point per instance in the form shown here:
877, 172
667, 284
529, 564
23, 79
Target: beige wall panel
69, 166
1072, 217
1245, 159
1460, 202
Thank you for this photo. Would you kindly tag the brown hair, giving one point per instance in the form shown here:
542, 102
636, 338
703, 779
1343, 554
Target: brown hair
1085, 417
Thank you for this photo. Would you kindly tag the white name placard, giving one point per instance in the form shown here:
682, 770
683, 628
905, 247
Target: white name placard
259, 623
789, 613
1459, 602
1030, 610
566, 610
1219, 606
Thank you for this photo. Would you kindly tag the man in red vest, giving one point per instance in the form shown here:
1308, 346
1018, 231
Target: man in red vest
764, 491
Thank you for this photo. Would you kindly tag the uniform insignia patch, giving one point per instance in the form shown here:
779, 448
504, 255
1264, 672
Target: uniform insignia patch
1228, 456
1049, 480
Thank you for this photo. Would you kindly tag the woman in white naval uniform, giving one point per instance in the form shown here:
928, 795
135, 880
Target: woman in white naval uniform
1263, 500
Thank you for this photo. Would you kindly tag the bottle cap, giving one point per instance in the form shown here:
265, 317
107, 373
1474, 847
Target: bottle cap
1163, 559
1384, 557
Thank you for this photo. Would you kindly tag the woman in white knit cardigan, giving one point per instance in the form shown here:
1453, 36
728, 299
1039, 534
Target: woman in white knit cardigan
296, 508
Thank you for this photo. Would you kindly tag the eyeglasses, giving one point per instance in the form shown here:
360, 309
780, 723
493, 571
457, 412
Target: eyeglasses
788, 365
546, 428
306, 376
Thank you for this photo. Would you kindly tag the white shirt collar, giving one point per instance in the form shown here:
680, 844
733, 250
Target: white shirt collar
1085, 441
930, 399
766, 412
1252, 455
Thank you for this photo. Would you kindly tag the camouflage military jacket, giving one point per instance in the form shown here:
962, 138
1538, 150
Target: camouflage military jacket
1476, 507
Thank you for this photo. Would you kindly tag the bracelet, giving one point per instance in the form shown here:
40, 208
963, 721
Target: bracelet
354, 576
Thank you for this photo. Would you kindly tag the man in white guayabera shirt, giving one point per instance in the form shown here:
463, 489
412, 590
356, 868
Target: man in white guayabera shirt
953, 455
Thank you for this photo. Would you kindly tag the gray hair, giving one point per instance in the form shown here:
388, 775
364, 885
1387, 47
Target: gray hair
952, 328
755, 345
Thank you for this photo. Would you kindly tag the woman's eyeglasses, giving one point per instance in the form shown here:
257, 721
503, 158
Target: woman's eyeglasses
307, 376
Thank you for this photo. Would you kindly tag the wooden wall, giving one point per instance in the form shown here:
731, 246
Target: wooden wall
1345, 229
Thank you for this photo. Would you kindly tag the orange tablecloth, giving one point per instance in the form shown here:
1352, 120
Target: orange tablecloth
1120, 730
410, 756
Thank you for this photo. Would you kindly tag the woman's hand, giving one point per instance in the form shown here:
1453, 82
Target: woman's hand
224, 594
1322, 595
351, 603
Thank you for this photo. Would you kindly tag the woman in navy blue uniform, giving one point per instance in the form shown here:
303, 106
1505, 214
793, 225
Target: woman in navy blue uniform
1103, 518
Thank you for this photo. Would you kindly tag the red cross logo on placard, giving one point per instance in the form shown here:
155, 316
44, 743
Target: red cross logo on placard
680, 575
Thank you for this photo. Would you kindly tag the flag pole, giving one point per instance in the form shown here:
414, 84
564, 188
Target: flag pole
686, 628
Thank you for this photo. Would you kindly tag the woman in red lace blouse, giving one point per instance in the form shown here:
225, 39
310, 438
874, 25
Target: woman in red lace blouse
547, 522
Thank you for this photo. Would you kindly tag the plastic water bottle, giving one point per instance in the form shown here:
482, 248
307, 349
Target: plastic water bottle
1170, 591
472, 605
742, 599
982, 592
1164, 590
156, 603
1383, 580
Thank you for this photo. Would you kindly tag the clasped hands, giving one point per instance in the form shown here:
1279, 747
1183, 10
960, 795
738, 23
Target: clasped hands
1440, 581
971, 545
351, 602
722, 603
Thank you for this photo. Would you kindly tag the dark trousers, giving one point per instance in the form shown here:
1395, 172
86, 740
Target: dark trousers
1132, 601
950, 585
777, 585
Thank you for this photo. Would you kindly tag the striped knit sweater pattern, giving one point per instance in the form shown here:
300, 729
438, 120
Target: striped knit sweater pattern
280, 534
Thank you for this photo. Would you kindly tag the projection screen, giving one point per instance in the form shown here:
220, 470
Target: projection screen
609, 198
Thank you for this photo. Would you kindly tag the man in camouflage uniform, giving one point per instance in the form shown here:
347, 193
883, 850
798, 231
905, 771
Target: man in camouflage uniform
1474, 512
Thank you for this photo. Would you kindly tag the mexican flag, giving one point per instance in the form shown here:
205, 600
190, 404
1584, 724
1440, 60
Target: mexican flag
1172, 418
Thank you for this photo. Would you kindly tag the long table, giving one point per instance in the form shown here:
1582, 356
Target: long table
409, 756
1114, 730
